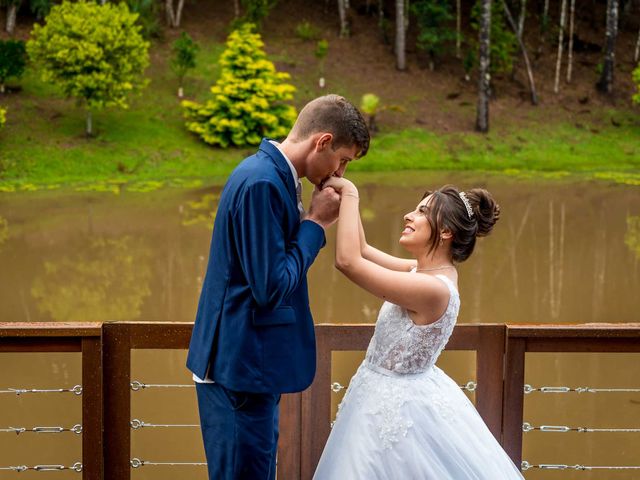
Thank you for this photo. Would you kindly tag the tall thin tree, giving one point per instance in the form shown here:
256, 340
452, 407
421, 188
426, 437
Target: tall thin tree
401, 59
523, 12
173, 12
484, 56
563, 15
12, 14
342, 10
459, 29
572, 15
605, 84
525, 56
544, 25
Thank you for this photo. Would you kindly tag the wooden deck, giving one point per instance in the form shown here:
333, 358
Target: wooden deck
304, 417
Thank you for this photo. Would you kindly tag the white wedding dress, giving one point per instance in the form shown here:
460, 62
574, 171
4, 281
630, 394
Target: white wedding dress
403, 418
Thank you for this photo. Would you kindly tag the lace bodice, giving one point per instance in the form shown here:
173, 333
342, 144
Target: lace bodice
400, 346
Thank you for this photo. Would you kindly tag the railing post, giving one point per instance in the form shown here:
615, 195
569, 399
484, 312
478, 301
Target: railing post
92, 454
513, 398
290, 440
117, 401
489, 376
316, 407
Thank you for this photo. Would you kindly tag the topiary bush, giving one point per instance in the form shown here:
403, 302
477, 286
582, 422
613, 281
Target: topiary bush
249, 100
94, 53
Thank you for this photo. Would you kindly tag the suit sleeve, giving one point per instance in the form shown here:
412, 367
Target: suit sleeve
273, 267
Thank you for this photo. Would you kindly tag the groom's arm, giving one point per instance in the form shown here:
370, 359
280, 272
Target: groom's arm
273, 267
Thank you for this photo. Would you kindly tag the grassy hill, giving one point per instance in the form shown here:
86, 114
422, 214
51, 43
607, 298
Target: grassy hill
430, 127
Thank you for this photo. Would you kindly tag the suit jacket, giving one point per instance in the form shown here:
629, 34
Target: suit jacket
253, 330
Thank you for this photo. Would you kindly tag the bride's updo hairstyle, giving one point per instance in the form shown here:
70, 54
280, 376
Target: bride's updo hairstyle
447, 211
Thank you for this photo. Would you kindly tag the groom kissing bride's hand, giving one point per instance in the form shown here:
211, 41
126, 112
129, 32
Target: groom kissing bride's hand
253, 338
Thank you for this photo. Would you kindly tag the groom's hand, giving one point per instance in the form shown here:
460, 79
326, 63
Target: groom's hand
325, 206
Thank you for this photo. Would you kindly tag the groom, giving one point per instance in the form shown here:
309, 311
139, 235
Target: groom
253, 337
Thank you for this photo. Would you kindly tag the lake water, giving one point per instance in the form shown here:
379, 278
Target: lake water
563, 252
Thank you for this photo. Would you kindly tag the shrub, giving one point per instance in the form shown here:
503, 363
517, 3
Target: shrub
248, 101
307, 31
13, 59
255, 11
147, 11
40, 8
94, 53
432, 17
184, 57
322, 48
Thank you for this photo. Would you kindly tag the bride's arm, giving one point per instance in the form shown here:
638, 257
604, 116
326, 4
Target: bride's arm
381, 258
418, 293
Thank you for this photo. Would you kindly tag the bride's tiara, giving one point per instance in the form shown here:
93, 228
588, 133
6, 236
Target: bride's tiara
467, 204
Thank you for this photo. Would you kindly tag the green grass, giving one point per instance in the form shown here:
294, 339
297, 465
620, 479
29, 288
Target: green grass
147, 146
550, 151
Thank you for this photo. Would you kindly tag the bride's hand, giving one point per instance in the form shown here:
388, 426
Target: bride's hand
341, 185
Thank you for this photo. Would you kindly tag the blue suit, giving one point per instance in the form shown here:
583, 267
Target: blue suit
253, 333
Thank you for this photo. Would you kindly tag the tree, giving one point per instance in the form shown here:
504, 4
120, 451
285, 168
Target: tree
563, 14
256, 11
13, 59
249, 101
369, 106
147, 11
525, 56
12, 13
173, 12
432, 17
605, 84
40, 8
344, 23
322, 48
184, 58
94, 53
504, 41
401, 59
572, 15
484, 76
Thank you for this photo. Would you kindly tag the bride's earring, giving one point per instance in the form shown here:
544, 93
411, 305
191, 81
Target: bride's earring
441, 241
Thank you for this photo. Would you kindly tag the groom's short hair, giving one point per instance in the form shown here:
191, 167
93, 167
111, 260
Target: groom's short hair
336, 115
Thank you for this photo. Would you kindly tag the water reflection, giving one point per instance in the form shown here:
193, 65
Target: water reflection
4, 231
632, 236
104, 279
555, 246
202, 211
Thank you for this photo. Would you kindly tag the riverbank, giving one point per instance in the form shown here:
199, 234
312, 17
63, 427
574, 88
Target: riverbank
119, 158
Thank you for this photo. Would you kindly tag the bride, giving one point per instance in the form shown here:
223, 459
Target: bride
402, 417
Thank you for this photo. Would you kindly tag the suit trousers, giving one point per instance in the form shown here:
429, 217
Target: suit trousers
240, 432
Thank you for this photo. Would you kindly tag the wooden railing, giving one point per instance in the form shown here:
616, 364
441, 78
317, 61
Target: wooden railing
70, 337
304, 417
